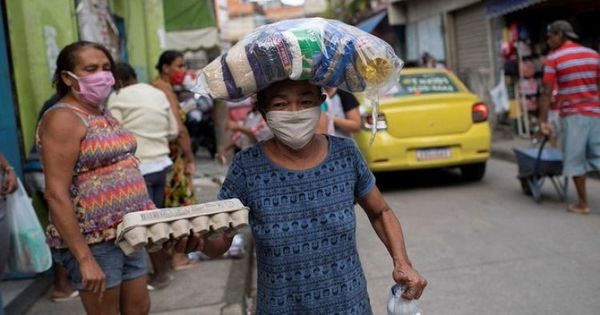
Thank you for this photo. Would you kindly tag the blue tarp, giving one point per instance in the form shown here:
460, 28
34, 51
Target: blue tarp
497, 8
371, 23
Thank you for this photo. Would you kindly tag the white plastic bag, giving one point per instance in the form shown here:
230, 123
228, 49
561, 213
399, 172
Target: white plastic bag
397, 305
328, 53
28, 249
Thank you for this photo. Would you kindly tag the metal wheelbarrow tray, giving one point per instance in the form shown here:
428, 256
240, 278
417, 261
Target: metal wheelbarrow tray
538, 164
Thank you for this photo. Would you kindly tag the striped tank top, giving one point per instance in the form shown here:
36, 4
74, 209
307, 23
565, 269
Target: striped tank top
107, 183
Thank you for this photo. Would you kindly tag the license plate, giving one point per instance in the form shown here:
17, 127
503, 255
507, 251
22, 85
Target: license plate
433, 154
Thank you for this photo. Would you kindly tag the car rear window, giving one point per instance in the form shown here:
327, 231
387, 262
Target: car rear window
423, 83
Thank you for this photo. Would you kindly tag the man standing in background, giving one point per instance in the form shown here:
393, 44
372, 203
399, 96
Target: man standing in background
576, 72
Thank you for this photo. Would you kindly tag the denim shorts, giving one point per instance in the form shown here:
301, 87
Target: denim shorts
580, 140
116, 266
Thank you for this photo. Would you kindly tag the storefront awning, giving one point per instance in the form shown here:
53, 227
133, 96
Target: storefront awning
193, 40
497, 8
190, 25
371, 23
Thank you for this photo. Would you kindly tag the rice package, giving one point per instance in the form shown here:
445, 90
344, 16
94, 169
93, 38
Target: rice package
328, 53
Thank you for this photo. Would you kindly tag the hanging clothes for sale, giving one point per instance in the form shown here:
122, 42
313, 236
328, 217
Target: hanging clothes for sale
96, 24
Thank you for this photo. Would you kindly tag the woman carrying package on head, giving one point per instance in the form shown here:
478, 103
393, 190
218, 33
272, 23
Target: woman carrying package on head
300, 186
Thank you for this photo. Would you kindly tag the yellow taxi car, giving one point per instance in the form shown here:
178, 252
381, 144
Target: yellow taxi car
428, 120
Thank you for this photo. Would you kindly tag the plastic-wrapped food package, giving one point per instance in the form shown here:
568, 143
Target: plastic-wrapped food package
328, 53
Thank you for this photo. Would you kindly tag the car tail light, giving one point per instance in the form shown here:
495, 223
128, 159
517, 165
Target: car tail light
480, 112
380, 124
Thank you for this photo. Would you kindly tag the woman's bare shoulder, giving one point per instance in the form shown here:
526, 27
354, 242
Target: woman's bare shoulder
62, 122
162, 85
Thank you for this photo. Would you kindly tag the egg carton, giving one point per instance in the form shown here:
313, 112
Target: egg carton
154, 227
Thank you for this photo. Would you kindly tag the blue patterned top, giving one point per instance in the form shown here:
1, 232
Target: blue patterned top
304, 227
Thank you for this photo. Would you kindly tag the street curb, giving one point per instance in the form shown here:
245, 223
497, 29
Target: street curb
504, 155
239, 280
24, 300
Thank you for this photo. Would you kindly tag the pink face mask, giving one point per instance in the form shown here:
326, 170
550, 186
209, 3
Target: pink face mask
94, 88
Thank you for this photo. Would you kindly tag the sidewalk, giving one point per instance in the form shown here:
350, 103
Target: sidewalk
215, 287
504, 143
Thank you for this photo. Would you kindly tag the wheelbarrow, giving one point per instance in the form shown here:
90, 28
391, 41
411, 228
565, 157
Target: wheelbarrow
536, 165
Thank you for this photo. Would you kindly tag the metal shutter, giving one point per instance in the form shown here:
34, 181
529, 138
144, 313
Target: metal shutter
472, 44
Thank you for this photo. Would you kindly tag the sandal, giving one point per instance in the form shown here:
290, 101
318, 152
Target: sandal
575, 209
188, 263
64, 297
154, 285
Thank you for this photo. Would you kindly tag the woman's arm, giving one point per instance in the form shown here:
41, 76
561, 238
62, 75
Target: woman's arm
350, 123
183, 138
248, 132
61, 134
389, 230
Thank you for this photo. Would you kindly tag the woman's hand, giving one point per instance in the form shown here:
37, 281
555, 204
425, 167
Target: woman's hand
10, 183
190, 169
192, 243
411, 279
232, 126
93, 277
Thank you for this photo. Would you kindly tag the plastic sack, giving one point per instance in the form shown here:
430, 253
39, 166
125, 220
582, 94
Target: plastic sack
28, 249
328, 53
396, 305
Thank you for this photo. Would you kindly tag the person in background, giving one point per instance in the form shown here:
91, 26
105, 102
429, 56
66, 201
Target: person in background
428, 61
253, 129
145, 111
301, 188
343, 113
92, 180
8, 185
576, 72
179, 190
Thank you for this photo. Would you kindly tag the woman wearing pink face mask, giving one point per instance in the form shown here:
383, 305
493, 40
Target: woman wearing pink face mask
92, 181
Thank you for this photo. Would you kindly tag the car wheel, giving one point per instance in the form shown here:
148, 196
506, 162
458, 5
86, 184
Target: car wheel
473, 172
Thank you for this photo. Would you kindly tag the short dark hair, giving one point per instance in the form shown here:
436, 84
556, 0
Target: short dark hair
125, 72
262, 97
167, 58
261, 100
67, 58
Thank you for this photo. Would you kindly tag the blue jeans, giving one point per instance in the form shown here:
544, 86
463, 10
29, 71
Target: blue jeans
116, 266
155, 184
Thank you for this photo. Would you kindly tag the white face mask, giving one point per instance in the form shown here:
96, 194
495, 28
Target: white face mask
294, 129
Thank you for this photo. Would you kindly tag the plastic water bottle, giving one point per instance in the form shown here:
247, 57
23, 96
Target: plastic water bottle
398, 306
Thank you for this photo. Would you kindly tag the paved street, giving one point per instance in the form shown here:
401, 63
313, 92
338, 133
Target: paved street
486, 248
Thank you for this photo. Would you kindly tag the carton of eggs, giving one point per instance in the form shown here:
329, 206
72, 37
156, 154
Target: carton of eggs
152, 228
